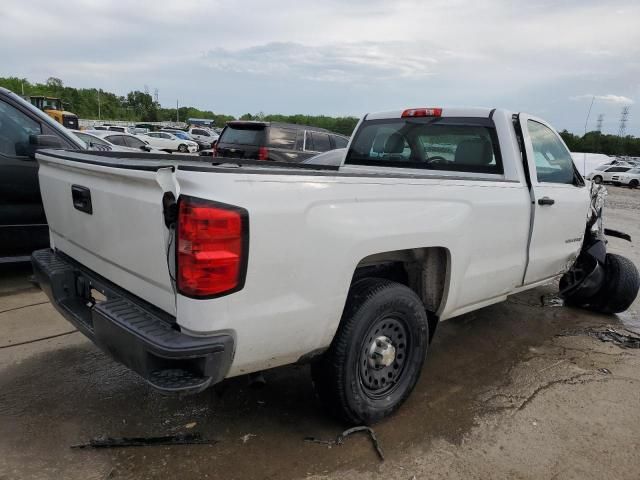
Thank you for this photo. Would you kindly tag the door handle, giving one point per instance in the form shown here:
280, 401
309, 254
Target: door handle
546, 201
81, 197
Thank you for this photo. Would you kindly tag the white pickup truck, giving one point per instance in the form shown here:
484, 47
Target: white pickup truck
191, 272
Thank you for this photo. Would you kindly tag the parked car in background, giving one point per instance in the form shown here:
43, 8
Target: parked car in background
185, 136
280, 142
169, 142
92, 141
113, 128
607, 173
117, 141
205, 138
630, 178
24, 129
138, 130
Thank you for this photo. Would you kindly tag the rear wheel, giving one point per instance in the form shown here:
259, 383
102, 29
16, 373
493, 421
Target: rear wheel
182, 148
375, 359
634, 183
620, 287
597, 179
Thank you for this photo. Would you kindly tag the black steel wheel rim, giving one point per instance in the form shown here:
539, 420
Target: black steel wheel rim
378, 382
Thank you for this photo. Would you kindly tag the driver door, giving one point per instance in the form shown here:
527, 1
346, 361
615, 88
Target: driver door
560, 202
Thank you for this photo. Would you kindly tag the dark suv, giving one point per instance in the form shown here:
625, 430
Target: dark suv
280, 142
23, 130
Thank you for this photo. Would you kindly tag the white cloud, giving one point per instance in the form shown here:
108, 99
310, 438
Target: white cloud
327, 63
610, 98
337, 56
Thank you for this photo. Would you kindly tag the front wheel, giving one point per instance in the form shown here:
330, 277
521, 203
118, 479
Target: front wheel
620, 288
634, 184
376, 356
182, 148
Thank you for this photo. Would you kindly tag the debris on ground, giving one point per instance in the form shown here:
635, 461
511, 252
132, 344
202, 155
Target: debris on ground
340, 439
245, 438
190, 425
117, 442
552, 300
624, 339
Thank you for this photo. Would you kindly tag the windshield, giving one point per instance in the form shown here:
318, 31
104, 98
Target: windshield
427, 143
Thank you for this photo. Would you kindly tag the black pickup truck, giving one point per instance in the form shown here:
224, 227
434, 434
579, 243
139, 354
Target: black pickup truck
23, 130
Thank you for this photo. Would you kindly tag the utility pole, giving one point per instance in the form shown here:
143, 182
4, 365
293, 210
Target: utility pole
599, 130
22, 88
177, 112
623, 121
624, 115
98, 104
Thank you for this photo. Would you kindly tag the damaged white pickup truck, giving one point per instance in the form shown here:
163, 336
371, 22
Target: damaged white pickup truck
191, 272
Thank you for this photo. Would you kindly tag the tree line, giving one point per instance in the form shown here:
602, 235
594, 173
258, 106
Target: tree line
138, 106
597, 142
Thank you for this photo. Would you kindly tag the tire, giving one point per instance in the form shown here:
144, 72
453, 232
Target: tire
182, 148
620, 288
347, 378
634, 184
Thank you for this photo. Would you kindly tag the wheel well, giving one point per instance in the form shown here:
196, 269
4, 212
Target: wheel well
424, 270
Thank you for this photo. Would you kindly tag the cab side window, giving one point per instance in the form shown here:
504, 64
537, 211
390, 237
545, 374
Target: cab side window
15, 130
321, 142
553, 161
339, 142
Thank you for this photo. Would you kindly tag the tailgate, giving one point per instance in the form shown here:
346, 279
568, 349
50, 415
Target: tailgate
121, 234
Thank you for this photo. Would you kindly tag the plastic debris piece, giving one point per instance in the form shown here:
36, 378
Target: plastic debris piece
117, 442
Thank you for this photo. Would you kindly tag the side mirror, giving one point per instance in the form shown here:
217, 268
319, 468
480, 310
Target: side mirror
146, 148
38, 142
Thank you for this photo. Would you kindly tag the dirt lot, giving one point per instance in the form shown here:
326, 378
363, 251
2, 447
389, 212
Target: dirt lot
516, 390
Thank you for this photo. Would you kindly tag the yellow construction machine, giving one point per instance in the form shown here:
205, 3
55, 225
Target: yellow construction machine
54, 107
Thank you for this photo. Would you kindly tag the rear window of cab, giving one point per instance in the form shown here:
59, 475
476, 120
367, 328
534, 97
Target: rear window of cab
443, 143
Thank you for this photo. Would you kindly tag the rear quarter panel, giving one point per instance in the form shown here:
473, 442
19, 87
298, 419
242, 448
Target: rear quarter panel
308, 234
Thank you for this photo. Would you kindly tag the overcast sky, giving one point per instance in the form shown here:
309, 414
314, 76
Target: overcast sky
545, 57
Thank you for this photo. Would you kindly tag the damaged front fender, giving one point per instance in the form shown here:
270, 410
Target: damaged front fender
585, 283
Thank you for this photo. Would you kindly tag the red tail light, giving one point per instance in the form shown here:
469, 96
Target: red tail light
263, 153
212, 247
422, 112
214, 149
